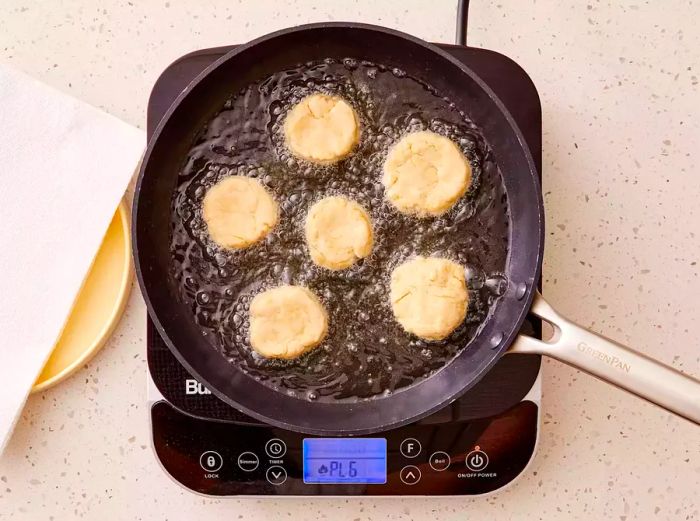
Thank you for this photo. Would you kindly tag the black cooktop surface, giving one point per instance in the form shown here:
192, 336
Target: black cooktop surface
483, 440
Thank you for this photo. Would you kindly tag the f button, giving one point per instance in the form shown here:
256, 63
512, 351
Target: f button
410, 447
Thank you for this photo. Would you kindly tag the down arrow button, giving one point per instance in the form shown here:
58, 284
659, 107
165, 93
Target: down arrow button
276, 475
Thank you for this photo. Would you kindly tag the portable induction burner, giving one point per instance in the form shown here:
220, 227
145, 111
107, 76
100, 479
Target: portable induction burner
476, 445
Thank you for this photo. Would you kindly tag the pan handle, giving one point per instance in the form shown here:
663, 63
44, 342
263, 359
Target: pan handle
613, 363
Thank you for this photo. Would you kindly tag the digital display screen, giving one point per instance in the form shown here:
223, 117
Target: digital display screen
344, 460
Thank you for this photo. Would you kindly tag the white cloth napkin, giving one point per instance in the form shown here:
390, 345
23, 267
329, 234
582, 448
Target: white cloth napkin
64, 166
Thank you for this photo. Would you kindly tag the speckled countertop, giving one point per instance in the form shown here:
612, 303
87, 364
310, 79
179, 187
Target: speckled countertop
620, 96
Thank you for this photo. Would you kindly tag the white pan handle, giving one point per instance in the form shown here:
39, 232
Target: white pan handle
613, 363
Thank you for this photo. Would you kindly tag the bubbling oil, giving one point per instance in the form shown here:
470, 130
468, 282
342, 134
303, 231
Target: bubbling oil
366, 353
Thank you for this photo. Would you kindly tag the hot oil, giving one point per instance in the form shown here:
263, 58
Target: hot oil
366, 353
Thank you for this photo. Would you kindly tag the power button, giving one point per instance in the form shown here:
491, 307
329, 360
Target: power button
477, 460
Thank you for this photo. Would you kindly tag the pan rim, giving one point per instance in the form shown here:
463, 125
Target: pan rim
525, 300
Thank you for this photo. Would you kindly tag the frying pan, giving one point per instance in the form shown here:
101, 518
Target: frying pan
168, 149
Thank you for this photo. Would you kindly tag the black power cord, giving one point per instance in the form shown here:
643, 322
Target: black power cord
462, 21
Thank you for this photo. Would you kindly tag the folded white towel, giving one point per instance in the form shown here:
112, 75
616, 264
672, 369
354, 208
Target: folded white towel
64, 166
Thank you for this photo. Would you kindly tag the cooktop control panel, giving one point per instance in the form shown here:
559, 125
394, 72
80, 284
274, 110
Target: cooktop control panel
453, 458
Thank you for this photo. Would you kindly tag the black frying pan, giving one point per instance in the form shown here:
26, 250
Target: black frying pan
287, 48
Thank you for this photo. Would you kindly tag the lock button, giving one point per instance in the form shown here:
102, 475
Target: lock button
211, 461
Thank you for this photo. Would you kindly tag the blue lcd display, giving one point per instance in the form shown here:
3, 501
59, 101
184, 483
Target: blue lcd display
345, 460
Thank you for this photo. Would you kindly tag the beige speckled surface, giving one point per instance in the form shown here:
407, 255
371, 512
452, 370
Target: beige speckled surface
620, 94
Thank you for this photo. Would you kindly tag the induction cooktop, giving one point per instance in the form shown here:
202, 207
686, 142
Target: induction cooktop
476, 445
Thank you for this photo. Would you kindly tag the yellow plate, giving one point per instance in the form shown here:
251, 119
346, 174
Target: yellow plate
98, 307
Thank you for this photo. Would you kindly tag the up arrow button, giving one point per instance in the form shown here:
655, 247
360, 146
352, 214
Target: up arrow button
410, 475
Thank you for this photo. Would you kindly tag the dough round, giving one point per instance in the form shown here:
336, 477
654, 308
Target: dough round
322, 129
286, 322
429, 296
238, 212
338, 232
425, 174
